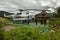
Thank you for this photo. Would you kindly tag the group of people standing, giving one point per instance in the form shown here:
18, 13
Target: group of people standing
42, 21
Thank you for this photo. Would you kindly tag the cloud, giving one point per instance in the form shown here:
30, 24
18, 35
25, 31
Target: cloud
11, 5
45, 3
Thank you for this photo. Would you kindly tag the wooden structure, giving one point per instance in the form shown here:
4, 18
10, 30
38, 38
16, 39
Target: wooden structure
43, 17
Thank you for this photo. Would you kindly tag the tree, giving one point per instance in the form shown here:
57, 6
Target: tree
57, 14
2, 13
58, 11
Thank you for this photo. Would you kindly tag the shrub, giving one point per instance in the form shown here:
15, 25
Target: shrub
3, 22
55, 22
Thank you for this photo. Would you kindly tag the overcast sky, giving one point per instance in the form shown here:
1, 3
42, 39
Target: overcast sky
9, 5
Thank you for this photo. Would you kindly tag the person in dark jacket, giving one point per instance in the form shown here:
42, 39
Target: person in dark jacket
36, 21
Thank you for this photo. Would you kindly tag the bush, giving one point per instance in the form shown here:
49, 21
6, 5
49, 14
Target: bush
3, 22
1, 34
55, 22
56, 35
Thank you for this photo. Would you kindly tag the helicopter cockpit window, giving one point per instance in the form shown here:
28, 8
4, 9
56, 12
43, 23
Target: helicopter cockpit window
19, 13
27, 13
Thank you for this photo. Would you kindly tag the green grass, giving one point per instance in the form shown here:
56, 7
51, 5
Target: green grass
28, 32
32, 31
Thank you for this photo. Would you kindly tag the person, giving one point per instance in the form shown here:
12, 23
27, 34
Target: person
43, 21
28, 20
36, 21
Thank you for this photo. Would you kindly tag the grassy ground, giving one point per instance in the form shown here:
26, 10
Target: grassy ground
42, 28
28, 32
31, 32
20, 31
